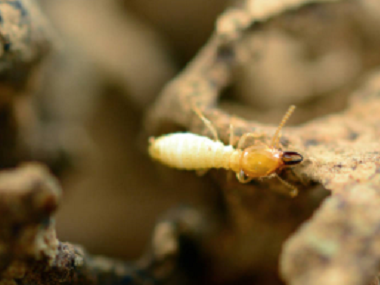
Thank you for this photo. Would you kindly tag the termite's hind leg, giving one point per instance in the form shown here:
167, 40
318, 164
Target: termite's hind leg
207, 123
293, 190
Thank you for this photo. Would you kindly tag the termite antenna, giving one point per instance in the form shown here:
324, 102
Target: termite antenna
276, 137
206, 122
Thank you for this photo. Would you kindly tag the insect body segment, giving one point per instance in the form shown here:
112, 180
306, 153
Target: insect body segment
193, 152
259, 161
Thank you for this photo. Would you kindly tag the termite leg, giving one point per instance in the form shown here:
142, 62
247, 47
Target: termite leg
242, 178
244, 138
207, 123
293, 190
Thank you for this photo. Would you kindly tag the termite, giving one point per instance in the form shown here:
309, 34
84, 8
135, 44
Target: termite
194, 152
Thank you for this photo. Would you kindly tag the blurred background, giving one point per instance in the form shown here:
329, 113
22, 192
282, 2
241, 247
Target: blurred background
114, 58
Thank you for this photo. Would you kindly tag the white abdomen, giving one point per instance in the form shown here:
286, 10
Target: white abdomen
190, 151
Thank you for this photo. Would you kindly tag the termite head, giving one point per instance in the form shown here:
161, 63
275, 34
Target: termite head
259, 161
262, 160
287, 158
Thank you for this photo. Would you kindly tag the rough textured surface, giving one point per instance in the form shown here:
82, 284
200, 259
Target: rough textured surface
31, 254
341, 153
343, 234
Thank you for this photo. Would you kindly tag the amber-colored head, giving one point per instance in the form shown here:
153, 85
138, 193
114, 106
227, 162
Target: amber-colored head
260, 161
263, 160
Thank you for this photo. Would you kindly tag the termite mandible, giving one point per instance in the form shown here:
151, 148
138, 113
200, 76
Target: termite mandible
194, 152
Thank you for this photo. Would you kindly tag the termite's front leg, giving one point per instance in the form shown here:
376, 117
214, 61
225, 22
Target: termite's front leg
244, 137
242, 178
